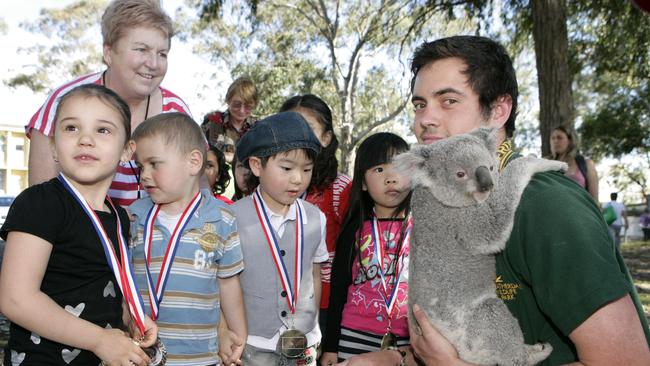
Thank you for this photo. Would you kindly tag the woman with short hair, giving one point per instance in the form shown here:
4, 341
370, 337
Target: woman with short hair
136, 41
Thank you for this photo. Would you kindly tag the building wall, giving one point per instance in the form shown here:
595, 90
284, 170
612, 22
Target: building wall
14, 153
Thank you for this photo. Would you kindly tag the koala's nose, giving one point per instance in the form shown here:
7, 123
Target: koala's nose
484, 179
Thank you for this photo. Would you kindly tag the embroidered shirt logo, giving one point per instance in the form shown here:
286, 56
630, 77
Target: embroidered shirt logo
506, 291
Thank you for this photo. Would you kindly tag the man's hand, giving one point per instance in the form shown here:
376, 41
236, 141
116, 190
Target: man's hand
431, 347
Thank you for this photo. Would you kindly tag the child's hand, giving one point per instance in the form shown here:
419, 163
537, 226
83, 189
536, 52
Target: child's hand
114, 347
328, 359
231, 346
150, 333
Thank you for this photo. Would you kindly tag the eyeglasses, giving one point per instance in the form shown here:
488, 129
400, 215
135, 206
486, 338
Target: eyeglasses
238, 105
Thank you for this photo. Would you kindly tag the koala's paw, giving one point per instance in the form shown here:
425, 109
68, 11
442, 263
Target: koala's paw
537, 165
537, 353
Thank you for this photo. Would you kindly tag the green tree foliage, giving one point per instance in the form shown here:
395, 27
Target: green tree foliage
630, 176
345, 52
71, 49
612, 64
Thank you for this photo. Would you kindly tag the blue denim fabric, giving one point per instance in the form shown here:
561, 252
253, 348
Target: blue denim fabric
275, 134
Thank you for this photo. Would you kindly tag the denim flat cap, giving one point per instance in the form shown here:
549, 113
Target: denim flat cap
275, 134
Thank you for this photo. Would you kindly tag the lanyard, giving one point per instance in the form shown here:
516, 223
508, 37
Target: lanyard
155, 297
389, 299
120, 267
274, 247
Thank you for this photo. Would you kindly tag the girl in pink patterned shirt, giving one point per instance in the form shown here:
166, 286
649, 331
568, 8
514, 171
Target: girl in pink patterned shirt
368, 302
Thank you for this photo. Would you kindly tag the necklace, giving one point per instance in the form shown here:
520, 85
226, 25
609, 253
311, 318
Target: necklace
146, 111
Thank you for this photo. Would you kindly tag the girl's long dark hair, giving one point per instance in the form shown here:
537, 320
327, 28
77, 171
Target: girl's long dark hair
224, 176
326, 165
377, 149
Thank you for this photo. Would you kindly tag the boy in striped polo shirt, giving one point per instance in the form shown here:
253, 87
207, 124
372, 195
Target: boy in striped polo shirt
186, 246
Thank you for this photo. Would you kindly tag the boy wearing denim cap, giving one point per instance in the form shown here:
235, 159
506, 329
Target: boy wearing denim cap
283, 242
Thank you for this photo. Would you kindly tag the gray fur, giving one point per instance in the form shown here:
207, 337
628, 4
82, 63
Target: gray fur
463, 212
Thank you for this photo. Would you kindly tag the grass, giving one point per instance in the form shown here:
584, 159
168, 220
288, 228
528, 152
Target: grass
637, 258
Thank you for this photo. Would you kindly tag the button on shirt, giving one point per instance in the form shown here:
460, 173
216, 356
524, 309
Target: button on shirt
279, 223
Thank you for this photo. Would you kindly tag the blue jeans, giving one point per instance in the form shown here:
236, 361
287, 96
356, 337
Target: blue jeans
615, 231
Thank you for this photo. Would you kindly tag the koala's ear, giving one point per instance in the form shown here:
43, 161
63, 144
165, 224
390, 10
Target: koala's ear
411, 164
488, 136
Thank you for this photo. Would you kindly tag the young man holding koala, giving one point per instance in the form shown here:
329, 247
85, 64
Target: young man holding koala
560, 274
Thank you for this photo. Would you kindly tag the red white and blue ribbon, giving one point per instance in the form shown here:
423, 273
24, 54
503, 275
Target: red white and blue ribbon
291, 288
156, 297
121, 266
379, 255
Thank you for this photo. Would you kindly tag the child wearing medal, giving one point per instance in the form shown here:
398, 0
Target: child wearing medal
185, 246
66, 274
368, 303
283, 241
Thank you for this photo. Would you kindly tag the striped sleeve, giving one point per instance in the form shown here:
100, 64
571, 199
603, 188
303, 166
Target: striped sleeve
173, 103
340, 198
231, 262
43, 119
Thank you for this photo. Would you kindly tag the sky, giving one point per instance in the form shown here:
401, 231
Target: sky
185, 70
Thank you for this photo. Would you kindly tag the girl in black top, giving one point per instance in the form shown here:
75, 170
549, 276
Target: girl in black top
56, 287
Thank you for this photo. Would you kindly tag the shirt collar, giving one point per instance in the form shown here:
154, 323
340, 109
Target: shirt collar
275, 217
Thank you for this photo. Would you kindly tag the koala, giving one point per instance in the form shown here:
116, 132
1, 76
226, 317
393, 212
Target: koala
463, 211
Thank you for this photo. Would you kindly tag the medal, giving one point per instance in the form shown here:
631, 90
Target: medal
293, 343
157, 353
388, 341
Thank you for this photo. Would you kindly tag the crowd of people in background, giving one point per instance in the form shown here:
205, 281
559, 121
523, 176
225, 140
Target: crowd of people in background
137, 254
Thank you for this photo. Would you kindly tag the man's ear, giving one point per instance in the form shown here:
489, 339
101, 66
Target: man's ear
196, 161
256, 165
501, 109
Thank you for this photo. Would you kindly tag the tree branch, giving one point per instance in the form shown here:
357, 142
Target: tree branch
358, 136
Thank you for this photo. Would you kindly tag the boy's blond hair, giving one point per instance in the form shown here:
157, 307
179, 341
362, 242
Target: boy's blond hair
245, 88
122, 15
176, 130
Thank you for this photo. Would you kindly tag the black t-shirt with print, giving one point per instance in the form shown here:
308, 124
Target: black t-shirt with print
77, 277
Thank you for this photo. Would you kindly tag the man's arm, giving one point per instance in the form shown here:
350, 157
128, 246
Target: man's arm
612, 336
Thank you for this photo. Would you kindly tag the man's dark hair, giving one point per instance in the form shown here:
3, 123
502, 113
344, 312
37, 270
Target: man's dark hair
613, 196
489, 69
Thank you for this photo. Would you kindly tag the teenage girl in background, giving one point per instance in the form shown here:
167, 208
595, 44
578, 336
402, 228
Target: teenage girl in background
368, 302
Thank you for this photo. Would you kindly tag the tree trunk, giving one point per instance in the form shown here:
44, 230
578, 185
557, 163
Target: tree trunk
551, 52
